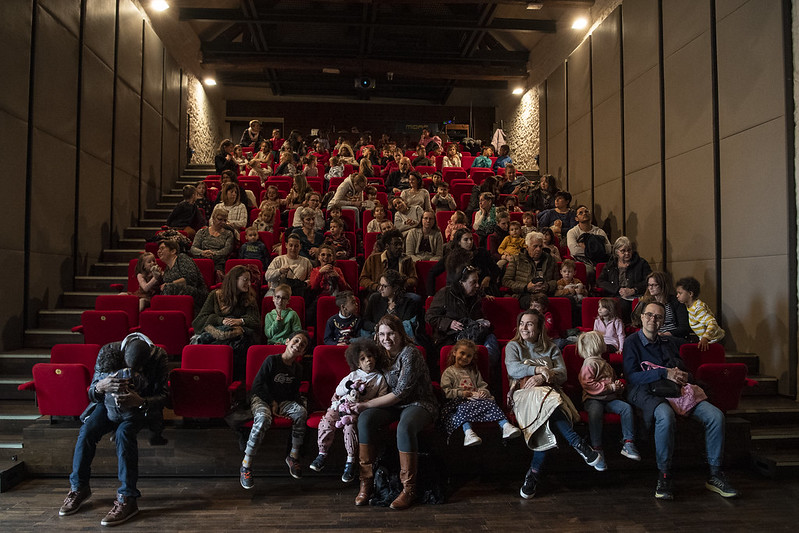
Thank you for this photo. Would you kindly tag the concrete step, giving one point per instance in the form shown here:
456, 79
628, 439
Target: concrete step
82, 299
59, 318
22, 361
141, 232
120, 255
46, 338
766, 386
8, 388
110, 269
777, 465
751, 360
98, 283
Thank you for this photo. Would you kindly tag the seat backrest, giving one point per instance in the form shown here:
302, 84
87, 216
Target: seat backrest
178, 302
561, 309
329, 368
120, 302
84, 354
482, 360
61, 388
165, 327
256, 355
297, 303
102, 327
208, 357
502, 313
694, 358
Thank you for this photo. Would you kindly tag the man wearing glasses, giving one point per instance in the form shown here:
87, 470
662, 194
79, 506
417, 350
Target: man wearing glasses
647, 345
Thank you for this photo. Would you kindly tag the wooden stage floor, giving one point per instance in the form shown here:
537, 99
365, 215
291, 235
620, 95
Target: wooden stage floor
588, 501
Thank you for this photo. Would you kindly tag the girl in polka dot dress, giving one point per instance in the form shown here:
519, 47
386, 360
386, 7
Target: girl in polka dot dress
468, 399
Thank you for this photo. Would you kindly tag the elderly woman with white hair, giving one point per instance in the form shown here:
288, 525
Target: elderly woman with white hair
532, 271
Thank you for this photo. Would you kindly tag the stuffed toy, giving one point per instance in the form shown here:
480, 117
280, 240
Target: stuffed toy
344, 404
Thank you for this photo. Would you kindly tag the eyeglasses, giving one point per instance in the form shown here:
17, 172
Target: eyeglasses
653, 316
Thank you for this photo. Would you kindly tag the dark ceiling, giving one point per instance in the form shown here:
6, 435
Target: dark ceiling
412, 49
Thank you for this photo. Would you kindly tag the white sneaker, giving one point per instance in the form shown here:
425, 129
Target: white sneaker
509, 431
470, 438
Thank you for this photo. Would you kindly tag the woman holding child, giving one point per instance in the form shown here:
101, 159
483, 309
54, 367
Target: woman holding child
410, 401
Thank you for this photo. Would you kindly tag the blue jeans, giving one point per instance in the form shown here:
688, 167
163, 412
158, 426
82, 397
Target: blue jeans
412, 420
597, 408
706, 413
92, 430
560, 423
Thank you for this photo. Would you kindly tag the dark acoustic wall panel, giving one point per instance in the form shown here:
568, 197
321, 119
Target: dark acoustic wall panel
129, 51
150, 157
153, 61
98, 29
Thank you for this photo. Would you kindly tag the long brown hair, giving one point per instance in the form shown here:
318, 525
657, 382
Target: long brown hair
229, 295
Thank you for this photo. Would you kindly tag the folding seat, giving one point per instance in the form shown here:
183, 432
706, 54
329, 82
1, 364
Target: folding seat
329, 368
502, 313
120, 302
202, 387
166, 328
83, 354
102, 327
61, 388
451, 173
178, 302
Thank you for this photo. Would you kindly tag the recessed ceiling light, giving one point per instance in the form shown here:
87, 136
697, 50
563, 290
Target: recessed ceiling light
159, 5
518, 90
580, 23
210, 82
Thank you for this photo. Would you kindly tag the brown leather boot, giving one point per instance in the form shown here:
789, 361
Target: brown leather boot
409, 462
366, 458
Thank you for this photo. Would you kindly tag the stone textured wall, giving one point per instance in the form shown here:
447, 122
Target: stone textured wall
523, 131
204, 126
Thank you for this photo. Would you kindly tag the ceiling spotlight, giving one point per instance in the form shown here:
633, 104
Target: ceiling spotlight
518, 90
580, 23
159, 5
210, 82
535, 5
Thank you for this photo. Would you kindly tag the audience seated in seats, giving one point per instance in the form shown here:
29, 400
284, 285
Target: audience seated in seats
452, 159
231, 202
468, 397
456, 221
416, 195
310, 238
391, 298
425, 243
290, 268
367, 362
609, 325
624, 275
543, 197
276, 392
254, 247
534, 364
700, 317
410, 401
379, 214
224, 159
602, 393
345, 325
231, 316
461, 252
646, 346
393, 257
442, 200
399, 179
252, 136
561, 213
148, 276
588, 250
281, 322
186, 216
660, 288
531, 272
215, 241
262, 162
181, 275
336, 238
457, 313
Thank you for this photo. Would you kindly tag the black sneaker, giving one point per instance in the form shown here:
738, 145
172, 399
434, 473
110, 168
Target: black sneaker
349, 472
589, 455
318, 464
245, 478
718, 484
663, 491
73, 501
530, 483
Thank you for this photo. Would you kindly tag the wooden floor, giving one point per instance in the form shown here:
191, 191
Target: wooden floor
621, 501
